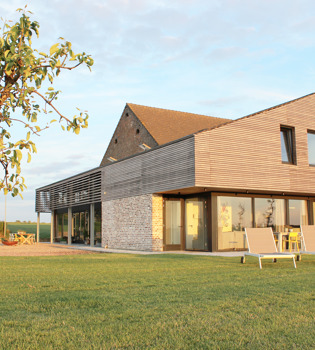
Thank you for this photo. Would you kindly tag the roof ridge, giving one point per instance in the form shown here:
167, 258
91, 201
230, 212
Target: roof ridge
173, 110
277, 106
262, 111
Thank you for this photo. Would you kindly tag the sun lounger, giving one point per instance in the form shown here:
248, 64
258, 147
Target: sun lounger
261, 244
308, 240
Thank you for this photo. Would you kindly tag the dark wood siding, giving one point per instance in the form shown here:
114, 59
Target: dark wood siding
166, 168
246, 154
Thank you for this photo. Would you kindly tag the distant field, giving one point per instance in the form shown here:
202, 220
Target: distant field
30, 228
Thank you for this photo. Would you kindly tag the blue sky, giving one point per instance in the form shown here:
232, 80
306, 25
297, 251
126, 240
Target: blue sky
224, 58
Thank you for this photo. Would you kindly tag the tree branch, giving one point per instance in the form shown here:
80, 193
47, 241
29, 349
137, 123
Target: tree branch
52, 106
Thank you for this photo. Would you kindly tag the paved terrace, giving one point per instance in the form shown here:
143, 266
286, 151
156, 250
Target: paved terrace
48, 249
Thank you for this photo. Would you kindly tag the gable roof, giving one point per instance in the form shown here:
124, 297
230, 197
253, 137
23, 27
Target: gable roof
166, 125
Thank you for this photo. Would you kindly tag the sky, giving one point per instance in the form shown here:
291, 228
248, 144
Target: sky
223, 58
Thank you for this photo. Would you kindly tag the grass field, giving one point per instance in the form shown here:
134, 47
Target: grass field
113, 301
30, 228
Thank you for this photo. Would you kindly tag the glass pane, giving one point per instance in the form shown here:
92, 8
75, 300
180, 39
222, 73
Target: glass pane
65, 227
270, 212
311, 148
172, 222
97, 226
297, 212
287, 145
196, 230
284, 150
59, 228
234, 214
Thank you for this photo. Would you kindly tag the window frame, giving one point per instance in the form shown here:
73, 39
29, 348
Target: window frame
288, 135
308, 148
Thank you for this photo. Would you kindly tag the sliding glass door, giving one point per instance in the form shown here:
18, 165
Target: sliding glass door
173, 224
196, 224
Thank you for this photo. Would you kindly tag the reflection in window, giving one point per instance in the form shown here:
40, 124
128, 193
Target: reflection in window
196, 224
297, 212
270, 212
287, 145
311, 147
172, 222
98, 225
234, 214
61, 231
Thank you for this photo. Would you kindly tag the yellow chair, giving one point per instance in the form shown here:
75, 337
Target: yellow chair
294, 239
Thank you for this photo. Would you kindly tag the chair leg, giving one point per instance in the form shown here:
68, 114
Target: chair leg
294, 262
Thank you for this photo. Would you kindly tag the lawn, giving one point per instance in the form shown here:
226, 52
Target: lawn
30, 228
115, 301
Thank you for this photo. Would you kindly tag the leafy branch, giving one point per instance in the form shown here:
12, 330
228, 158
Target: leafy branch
22, 72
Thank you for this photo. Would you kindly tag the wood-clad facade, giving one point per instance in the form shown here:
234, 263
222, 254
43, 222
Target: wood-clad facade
246, 154
198, 192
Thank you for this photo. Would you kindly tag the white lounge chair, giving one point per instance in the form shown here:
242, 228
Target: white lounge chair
261, 243
308, 240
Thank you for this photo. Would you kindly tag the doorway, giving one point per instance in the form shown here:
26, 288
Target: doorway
185, 224
81, 232
173, 224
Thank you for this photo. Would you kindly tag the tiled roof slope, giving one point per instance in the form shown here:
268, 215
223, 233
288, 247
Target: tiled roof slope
166, 125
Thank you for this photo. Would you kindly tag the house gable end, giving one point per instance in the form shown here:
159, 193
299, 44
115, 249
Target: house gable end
129, 134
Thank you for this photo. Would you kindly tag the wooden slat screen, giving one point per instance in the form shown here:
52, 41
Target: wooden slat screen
81, 189
166, 168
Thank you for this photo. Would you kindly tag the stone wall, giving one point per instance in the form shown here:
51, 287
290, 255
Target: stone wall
134, 223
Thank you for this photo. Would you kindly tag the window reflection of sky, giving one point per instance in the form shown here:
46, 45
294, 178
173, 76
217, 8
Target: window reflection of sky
311, 148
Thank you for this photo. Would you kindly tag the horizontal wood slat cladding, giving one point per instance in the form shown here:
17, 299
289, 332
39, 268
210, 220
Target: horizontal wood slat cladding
78, 190
166, 168
246, 154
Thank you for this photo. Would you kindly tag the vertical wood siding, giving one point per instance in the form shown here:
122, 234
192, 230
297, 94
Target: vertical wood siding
246, 154
167, 168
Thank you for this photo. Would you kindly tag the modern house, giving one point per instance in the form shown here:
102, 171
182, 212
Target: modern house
179, 181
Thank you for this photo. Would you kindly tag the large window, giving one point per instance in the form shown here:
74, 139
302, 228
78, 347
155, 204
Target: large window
61, 231
234, 214
287, 145
311, 147
270, 212
196, 224
98, 225
297, 212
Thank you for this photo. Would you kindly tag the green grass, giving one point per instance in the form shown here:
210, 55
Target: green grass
112, 301
30, 228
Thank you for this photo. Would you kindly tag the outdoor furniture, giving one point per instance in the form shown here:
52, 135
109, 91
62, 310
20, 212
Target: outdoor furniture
308, 239
25, 238
261, 244
294, 240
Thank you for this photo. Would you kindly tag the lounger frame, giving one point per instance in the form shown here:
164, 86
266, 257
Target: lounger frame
269, 250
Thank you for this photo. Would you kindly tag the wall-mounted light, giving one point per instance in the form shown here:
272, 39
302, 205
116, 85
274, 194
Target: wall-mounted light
111, 159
